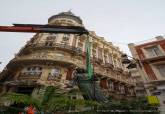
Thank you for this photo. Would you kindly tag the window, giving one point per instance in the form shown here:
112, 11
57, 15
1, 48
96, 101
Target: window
122, 89
100, 53
51, 38
161, 69
33, 70
66, 38
94, 52
111, 86
106, 58
80, 45
153, 51
110, 59
115, 62
116, 87
54, 34
157, 93
25, 90
48, 43
131, 91
54, 73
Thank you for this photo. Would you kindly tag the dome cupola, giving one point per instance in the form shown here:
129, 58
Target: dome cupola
65, 18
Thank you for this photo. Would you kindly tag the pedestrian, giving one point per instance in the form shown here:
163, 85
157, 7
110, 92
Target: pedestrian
35, 110
30, 110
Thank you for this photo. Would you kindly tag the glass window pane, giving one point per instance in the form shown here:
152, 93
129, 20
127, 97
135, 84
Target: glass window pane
161, 69
153, 51
55, 72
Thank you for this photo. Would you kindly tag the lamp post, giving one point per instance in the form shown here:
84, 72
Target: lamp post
131, 64
90, 66
135, 64
88, 58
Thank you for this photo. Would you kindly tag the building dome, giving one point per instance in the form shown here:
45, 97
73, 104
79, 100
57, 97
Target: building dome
65, 15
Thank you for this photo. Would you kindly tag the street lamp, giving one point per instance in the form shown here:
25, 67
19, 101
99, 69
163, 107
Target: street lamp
135, 63
131, 63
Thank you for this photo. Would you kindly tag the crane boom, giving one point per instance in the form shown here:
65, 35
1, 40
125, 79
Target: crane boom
36, 28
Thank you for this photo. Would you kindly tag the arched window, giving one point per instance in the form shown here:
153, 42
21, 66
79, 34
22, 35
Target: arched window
111, 86
32, 70
51, 38
48, 43
54, 74
65, 37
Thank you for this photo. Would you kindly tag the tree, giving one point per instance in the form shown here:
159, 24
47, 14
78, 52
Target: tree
20, 100
54, 100
57, 100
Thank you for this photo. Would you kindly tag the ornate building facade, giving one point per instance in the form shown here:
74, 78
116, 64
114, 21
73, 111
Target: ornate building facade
151, 55
51, 59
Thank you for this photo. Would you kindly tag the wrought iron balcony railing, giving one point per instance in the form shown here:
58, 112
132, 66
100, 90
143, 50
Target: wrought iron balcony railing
54, 78
60, 46
30, 76
97, 60
118, 69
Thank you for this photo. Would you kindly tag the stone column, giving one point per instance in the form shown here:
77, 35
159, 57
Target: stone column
44, 75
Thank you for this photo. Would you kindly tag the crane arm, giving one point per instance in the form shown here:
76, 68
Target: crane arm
34, 28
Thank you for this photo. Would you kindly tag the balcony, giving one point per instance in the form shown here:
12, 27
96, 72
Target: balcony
138, 88
135, 74
100, 71
54, 78
152, 59
118, 69
97, 60
108, 65
64, 47
117, 92
122, 92
126, 72
111, 89
44, 58
110, 75
30, 76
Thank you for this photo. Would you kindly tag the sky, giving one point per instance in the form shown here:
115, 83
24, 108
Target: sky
118, 21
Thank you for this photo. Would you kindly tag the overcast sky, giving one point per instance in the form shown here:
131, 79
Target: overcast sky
119, 21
